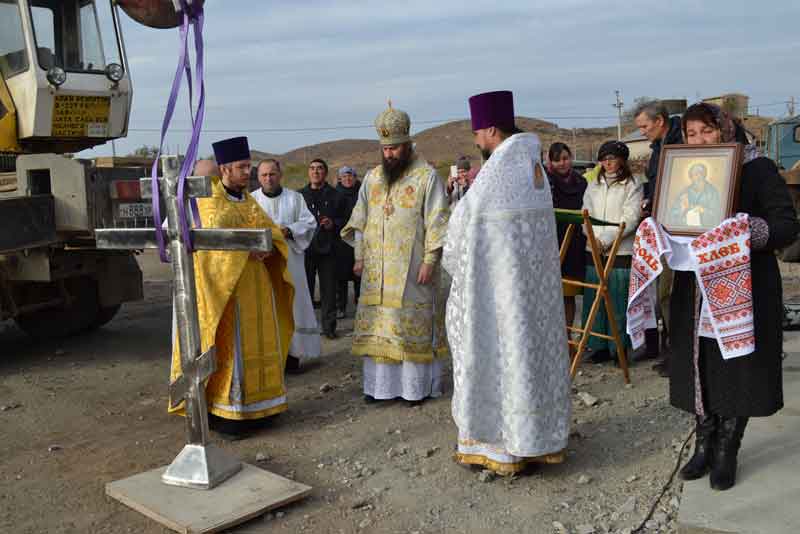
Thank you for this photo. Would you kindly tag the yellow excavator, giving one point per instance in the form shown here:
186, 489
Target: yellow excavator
66, 87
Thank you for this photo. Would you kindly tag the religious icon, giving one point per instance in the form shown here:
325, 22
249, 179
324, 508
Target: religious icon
696, 187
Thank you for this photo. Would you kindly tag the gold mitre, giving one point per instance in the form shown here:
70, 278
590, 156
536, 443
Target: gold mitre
393, 126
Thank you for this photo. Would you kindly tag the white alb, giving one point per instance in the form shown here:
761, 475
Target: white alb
289, 210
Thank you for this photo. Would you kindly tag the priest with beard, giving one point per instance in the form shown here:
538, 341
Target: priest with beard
505, 314
397, 229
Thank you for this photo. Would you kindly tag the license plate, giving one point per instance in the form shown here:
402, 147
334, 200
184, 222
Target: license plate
133, 211
8, 182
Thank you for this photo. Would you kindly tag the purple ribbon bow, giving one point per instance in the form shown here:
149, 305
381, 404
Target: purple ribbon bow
192, 17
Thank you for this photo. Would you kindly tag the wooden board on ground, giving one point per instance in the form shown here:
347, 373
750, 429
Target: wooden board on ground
246, 495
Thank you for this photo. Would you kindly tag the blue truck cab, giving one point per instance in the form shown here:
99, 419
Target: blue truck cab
783, 142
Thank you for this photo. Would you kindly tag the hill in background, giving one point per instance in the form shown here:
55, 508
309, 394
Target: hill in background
440, 145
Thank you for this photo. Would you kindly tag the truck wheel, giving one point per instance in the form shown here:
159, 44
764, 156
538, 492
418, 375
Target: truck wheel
79, 316
104, 315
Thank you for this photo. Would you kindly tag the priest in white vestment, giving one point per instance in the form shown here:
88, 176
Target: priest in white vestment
288, 210
505, 313
397, 230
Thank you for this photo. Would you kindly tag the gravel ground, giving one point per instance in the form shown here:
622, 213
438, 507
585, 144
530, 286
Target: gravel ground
82, 412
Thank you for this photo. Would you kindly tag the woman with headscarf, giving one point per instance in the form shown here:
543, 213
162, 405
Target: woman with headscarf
613, 195
567, 188
721, 393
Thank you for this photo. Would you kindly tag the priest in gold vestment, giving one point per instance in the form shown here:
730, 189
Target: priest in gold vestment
244, 304
397, 230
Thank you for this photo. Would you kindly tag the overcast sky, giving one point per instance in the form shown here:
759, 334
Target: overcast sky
300, 64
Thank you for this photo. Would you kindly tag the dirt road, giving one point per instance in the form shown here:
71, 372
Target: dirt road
82, 412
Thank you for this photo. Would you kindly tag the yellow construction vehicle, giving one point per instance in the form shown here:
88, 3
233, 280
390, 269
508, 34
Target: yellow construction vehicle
65, 87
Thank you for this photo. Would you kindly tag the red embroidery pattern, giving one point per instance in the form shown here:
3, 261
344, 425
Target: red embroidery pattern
722, 265
726, 282
645, 268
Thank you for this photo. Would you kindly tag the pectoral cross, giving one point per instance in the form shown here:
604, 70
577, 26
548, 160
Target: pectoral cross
200, 464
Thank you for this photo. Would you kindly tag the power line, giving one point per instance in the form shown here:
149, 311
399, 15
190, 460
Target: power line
352, 126
781, 103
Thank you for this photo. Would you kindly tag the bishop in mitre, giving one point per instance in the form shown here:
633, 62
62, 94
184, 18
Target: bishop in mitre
505, 312
397, 230
289, 211
244, 304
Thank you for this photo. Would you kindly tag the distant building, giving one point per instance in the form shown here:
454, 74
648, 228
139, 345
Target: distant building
638, 145
675, 106
734, 103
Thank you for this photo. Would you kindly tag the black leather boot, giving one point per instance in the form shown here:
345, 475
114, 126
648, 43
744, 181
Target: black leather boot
723, 466
704, 434
293, 365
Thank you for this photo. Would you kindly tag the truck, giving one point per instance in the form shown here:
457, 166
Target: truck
782, 142
65, 87
782, 145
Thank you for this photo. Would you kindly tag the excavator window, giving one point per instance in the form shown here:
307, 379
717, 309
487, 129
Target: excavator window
68, 35
13, 58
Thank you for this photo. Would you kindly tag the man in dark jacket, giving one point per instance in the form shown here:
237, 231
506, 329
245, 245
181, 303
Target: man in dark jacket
654, 122
328, 209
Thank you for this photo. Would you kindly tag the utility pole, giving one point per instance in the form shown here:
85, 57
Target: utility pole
574, 146
618, 105
790, 105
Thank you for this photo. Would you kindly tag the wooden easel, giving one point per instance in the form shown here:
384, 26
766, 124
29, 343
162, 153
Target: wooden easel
575, 218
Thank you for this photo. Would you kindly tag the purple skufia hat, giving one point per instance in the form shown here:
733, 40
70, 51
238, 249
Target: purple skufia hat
493, 109
230, 150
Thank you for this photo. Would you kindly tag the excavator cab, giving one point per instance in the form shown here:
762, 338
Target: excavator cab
64, 69
64, 88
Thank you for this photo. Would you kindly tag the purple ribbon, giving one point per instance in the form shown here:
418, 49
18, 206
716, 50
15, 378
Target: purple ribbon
191, 17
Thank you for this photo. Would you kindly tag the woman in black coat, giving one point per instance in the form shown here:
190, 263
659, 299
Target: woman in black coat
567, 187
730, 391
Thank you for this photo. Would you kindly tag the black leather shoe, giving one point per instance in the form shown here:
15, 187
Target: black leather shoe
729, 438
369, 399
293, 365
642, 356
651, 347
332, 335
226, 429
662, 368
700, 462
600, 356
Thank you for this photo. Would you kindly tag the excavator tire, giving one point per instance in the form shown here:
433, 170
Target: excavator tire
104, 315
80, 315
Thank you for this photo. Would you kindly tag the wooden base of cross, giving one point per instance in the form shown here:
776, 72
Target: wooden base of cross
199, 464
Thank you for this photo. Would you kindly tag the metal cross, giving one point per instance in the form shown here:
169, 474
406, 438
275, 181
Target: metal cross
200, 464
